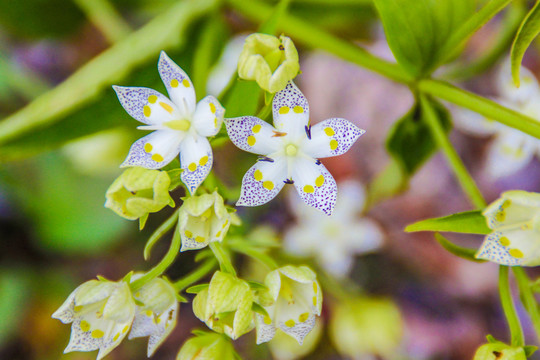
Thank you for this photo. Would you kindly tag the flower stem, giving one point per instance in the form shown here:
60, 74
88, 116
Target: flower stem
527, 297
516, 333
465, 180
167, 260
158, 234
195, 275
222, 257
105, 17
255, 254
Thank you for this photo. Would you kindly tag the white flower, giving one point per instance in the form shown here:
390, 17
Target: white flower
221, 74
156, 315
181, 125
297, 300
511, 150
290, 150
101, 313
515, 239
334, 240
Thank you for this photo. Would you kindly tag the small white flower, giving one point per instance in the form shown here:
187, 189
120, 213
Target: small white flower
156, 315
515, 239
297, 301
289, 151
180, 125
101, 313
334, 240
511, 150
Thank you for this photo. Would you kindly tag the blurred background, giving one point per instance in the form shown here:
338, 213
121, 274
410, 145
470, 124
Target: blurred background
55, 232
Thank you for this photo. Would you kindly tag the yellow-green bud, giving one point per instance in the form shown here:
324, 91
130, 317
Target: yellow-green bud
499, 351
270, 61
366, 326
138, 192
207, 346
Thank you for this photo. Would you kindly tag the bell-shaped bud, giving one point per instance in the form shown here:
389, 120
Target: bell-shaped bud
269, 60
207, 346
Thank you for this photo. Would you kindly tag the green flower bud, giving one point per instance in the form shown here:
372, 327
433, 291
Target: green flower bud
270, 61
204, 219
138, 192
225, 306
366, 326
207, 346
499, 351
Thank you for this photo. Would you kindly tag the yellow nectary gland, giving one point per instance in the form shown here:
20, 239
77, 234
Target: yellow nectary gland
291, 150
182, 125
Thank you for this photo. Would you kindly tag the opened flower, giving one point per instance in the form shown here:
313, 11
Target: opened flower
515, 221
101, 313
180, 124
290, 150
297, 300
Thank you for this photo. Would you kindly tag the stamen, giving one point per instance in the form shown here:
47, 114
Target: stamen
281, 47
289, 181
265, 158
182, 125
308, 131
291, 150
318, 162
278, 133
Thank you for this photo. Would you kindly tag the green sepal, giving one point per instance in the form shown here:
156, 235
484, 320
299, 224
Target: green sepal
181, 299
462, 252
259, 309
142, 221
528, 30
128, 276
469, 222
530, 350
195, 289
176, 182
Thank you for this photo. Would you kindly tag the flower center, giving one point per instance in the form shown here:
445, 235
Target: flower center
291, 150
182, 125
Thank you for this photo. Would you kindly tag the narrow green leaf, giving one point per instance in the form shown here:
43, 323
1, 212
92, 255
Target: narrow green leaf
464, 253
469, 222
195, 289
528, 30
270, 25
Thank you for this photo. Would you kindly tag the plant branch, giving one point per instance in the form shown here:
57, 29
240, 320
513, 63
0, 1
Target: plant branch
105, 17
516, 332
195, 275
222, 257
159, 232
527, 297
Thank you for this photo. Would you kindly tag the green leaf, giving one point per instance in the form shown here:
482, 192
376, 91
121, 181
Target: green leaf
530, 350
417, 30
242, 99
259, 309
464, 253
469, 222
410, 141
16, 291
195, 289
528, 30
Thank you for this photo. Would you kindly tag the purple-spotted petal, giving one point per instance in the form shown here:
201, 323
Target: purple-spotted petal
196, 160
178, 84
146, 105
208, 116
262, 182
253, 135
332, 137
291, 112
154, 151
315, 184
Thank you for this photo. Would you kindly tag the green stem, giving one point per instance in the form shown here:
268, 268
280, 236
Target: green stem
167, 260
160, 231
465, 180
255, 254
222, 257
105, 17
195, 275
265, 111
527, 297
516, 333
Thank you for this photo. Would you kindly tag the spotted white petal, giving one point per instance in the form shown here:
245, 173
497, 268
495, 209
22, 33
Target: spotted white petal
294, 320
509, 152
511, 247
195, 236
93, 291
332, 137
154, 150
66, 311
120, 307
178, 84
513, 209
196, 161
315, 184
146, 105
291, 112
263, 181
253, 135
265, 327
156, 326
208, 116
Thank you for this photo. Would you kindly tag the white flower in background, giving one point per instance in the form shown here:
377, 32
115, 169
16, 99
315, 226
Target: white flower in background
222, 73
101, 313
156, 312
510, 150
297, 301
334, 240
284, 347
289, 151
515, 221
180, 124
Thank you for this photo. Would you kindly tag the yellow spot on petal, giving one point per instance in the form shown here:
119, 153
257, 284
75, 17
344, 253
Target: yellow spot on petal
157, 158
188, 233
283, 110
315, 287
166, 106
85, 326
185, 82
251, 140
268, 185
174, 83
149, 313
329, 131
157, 320
218, 234
290, 323
258, 175
192, 167
212, 107
504, 241
516, 253
314, 301
298, 109
199, 239
116, 337
203, 160
146, 110
267, 320
309, 189
78, 308
256, 128
97, 334
152, 99
215, 122
148, 147
225, 224
303, 317
125, 329
319, 181
333, 144
500, 216
506, 204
